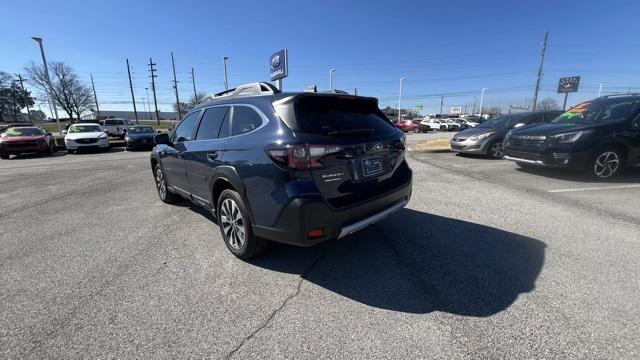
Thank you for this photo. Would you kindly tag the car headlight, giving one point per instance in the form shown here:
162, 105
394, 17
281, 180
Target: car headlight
568, 137
481, 136
103, 136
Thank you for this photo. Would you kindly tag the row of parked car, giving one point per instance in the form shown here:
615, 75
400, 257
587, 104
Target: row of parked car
601, 136
83, 136
428, 124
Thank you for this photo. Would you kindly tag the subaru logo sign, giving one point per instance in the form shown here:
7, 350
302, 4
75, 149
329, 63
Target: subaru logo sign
275, 61
378, 147
279, 69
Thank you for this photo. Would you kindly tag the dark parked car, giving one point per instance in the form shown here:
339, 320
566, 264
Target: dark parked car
140, 137
602, 136
296, 168
22, 140
487, 138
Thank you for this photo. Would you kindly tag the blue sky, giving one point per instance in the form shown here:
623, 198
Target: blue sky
441, 47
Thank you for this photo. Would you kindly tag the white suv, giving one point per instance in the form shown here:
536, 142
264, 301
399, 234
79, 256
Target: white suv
434, 124
116, 127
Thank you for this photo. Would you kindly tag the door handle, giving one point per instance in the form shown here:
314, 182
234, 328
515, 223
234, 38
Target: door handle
212, 156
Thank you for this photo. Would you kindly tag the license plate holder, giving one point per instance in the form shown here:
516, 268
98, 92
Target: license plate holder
372, 166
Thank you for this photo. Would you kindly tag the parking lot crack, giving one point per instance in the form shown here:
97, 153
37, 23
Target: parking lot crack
282, 305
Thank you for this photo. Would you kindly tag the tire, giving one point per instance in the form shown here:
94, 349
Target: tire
50, 151
4, 156
443, 127
236, 228
495, 150
606, 163
162, 186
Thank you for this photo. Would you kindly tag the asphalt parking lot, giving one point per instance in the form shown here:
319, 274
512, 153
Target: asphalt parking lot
487, 261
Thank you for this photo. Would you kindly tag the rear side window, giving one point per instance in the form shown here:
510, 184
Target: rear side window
245, 119
187, 127
337, 116
211, 122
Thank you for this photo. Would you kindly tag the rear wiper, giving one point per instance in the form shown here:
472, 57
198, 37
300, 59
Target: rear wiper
352, 132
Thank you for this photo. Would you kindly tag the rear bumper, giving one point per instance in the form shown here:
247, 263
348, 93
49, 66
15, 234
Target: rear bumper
304, 214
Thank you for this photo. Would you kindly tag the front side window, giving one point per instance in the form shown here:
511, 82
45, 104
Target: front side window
245, 119
211, 122
187, 127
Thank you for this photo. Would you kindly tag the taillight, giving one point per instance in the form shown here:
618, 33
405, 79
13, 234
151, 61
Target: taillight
302, 156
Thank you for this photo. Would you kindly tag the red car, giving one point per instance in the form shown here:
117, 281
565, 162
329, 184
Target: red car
28, 139
406, 125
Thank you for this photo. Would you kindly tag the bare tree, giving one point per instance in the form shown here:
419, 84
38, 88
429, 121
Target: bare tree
12, 97
548, 104
68, 91
186, 106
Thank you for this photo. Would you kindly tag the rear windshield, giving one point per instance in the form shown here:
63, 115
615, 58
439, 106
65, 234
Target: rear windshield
336, 116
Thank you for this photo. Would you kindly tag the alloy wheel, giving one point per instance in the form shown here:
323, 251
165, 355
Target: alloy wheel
497, 150
606, 164
161, 183
232, 223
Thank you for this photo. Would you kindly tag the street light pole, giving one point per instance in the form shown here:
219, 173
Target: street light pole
400, 97
481, 100
226, 82
148, 103
600, 89
331, 79
46, 75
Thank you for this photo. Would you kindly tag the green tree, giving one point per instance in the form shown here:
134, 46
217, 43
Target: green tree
12, 98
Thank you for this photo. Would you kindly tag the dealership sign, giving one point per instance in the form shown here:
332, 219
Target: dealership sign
456, 110
278, 66
418, 107
568, 84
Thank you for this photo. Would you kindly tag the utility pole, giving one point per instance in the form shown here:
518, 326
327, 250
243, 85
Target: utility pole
441, 103
473, 111
133, 98
95, 97
481, 100
193, 81
175, 87
544, 49
21, 81
153, 87
400, 97
600, 89
226, 81
355, 91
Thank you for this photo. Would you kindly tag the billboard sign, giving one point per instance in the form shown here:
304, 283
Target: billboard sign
278, 65
456, 110
568, 84
418, 107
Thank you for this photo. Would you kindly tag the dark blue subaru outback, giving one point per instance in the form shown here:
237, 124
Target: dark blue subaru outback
297, 168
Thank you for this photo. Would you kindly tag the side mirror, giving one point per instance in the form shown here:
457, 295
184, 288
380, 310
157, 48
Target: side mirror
64, 132
162, 139
49, 134
159, 131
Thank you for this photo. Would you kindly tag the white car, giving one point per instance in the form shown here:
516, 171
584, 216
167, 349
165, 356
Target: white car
85, 136
434, 124
116, 127
450, 124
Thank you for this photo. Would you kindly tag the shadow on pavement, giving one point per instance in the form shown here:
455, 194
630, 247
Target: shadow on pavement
628, 176
418, 263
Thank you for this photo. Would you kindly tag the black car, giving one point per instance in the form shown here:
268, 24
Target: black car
298, 168
487, 138
139, 137
602, 136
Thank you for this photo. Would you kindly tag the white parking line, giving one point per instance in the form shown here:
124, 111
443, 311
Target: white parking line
594, 188
490, 163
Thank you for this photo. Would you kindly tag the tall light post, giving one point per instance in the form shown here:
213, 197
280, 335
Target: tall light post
481, 100
600, 89
46, 75
400, 97
226, 82
331, 79
148, 103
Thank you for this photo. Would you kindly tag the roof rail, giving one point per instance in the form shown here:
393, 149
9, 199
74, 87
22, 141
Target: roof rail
257, 88
621, 94
336, 91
